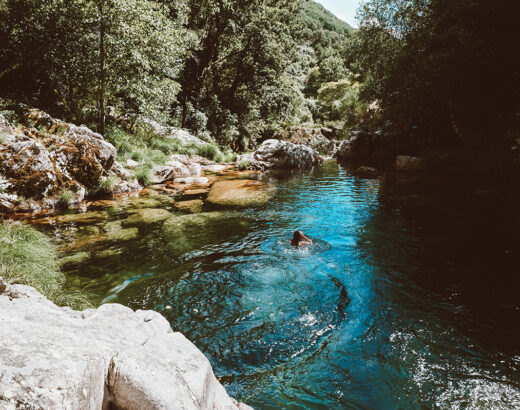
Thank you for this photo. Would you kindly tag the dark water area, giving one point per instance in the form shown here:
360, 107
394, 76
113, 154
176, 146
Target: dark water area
409, 296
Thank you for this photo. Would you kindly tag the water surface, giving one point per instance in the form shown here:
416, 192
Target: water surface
409, 297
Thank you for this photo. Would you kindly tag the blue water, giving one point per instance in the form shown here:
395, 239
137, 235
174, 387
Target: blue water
408, 297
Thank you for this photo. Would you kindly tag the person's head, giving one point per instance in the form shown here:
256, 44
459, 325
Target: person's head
297, 238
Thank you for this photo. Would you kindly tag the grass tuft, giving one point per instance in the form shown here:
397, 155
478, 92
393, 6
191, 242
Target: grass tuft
29, 258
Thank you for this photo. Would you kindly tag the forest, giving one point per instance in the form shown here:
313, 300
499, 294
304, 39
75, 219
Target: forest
235, 71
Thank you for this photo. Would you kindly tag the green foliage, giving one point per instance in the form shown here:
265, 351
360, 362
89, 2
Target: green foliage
446, 67
66, 197
108, 184
143, 174
29, 258
243, 165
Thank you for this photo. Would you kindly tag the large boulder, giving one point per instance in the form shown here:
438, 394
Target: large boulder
57, 358
281, 154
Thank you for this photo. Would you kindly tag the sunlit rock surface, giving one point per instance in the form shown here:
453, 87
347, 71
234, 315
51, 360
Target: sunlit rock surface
57, 358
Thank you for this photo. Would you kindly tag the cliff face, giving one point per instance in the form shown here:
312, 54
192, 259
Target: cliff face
57, 358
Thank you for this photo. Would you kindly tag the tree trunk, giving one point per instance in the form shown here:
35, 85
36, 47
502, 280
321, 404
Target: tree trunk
101, 114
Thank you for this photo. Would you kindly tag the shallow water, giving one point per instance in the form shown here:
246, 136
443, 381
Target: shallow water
408, 298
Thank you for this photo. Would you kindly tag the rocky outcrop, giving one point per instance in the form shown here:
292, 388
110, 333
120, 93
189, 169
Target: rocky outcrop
57, 358
274, 154
50, 156
319, 139
375, 147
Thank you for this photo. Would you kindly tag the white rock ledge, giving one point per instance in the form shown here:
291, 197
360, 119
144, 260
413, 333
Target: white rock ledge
58, 358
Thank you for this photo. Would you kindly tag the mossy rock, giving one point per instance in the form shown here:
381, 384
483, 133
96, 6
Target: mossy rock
75, 259
87, 218
239, 194
191, 207
123, 235
147, 216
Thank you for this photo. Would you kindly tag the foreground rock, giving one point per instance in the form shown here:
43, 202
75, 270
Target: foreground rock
280, 154
57, 358
239, 194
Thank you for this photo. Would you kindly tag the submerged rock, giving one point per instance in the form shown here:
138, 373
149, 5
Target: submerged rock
193, 207
75, 259
239, 193
367, 172
147, 216
57, 358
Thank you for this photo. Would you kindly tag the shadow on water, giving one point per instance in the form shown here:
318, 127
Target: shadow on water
407, 298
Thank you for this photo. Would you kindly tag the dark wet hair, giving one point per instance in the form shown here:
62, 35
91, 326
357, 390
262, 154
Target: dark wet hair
297, 238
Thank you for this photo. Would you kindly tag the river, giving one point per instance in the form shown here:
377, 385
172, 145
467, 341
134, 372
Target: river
408, 298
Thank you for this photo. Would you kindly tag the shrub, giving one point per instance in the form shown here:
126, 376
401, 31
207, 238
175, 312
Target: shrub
29, 258
66, 197
143, 174
108, 184
244, 164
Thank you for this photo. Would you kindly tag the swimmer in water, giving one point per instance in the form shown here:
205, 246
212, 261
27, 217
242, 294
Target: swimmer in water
299, 239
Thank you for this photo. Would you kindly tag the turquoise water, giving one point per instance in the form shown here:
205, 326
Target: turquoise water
409, 297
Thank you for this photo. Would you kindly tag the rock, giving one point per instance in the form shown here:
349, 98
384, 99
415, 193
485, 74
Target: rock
86, 218
195, 170
193, 180
7, 203
6, 131
162, 174
408, 164
194, 206
147, 216
57, 358
180, 170
29, 167
360, 145
328, 133
28, 207
239, 194
120, 171
215, 169
313, 138
122, 235
194, 193
365, 171
280, 154
75, 259
131, 164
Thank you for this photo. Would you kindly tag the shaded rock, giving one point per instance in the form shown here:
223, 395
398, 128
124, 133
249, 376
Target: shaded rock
367, 172
239, 193
7, 203
147, 216
360, 145
406, 163
194, 193
122, 235
83, 218
75, 259
162, 174
57, 358
193, 207
120, 171
28, 207
310, 137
